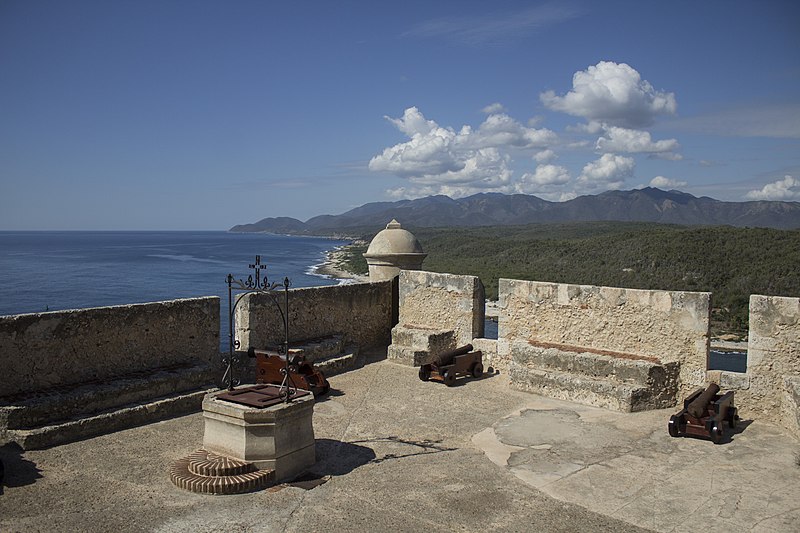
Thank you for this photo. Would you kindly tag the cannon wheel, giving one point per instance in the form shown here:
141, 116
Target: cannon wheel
449, 378
320, 391
673, 426
424, 372
477, 370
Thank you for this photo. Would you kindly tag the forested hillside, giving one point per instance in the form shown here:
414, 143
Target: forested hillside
732, 263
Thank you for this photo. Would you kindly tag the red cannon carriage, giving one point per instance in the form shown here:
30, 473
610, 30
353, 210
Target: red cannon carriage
271, 366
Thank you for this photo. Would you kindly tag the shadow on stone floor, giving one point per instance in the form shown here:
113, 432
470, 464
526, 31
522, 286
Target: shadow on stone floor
409, 447
15, 470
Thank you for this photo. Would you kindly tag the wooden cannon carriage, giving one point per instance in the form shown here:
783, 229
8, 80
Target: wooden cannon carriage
271, 366
448, 365
705, 414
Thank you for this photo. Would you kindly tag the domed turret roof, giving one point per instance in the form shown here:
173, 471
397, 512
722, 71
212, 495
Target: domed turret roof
394, 240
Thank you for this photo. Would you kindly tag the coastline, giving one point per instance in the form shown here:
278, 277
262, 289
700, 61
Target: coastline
333, 267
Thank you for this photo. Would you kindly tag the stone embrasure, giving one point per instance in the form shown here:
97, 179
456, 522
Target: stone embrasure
204, 472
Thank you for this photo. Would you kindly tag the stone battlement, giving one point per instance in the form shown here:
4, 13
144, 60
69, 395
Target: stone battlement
619, 348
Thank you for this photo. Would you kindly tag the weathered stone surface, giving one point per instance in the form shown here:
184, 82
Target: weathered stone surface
104, 422
360, 312
44, 350
791, 404
593, 379
415, 346
670, 326
442, 301
773, 355
737, 381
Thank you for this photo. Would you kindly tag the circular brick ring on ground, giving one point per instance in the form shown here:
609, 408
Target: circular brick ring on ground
204, 472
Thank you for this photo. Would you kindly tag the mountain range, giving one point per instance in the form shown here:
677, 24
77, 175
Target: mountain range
496, 209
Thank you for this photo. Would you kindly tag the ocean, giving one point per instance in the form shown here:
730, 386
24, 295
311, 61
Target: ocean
52, 270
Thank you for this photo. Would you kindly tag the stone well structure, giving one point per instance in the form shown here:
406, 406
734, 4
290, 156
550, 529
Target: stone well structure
393, 249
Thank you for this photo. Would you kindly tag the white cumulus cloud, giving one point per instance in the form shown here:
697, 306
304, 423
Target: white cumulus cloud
494, 108
663, 183
502, 130
612, 93
617, 139
607, 172
439, 160
545, 175
786, 189
545, 156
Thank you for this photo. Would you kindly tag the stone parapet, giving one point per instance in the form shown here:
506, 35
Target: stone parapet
360, 312
669, 326
442, 301
65, 348
69, 375
773, 359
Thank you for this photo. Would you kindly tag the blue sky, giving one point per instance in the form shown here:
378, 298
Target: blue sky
204, 114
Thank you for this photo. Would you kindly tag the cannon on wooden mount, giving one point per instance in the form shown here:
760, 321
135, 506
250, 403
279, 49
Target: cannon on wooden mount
705, 414
448, 365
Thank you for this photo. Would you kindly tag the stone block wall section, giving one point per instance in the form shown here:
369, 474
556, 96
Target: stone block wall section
361, 312
444, 302
670, 326
62, 348
773, 361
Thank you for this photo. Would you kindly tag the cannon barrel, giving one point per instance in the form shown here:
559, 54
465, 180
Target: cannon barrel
445, 358
698, 407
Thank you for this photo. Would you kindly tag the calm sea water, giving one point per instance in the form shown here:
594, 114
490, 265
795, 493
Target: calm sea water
41, 271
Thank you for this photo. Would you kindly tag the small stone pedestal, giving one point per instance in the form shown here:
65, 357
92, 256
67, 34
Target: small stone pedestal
279, 437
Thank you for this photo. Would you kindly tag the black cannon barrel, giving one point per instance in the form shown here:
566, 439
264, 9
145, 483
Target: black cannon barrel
698, 407
445, 358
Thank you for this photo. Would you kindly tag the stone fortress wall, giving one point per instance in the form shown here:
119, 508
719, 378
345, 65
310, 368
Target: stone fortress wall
666, 326
62, 348
360, 312
551, 336
771, 387
625, 349
437, 312
73, 374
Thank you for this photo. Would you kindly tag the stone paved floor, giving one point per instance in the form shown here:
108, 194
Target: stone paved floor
403, 455
627, 466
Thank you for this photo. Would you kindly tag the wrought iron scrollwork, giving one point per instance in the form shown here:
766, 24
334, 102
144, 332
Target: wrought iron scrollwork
256, 284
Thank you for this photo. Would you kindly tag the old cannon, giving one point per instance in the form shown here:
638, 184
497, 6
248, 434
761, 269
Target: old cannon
271, 367
450, 364
705, 414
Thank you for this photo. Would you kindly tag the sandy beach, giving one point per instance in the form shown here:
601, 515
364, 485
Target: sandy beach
333, 267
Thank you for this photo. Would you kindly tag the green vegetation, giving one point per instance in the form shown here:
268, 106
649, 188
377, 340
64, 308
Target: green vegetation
352, 257
732, 263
